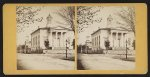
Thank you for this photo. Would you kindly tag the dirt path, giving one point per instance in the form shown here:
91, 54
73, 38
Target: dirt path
99, 62
42, 62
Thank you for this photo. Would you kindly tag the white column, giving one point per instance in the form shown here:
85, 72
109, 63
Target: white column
56, 40
111, 40
64, 38
51, 39
117, 41
61, 39
121, 39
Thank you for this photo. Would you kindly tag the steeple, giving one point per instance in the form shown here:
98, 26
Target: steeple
49, 19
109, 20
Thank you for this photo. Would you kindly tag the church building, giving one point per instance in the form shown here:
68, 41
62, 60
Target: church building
117, 37
56, 38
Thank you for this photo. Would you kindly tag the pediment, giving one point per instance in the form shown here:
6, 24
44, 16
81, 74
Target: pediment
60, 28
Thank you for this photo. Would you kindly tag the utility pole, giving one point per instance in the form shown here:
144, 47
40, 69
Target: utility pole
66, 48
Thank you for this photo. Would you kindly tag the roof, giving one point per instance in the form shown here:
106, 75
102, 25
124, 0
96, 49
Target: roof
109, 29
61, 27
38, 30
44, 28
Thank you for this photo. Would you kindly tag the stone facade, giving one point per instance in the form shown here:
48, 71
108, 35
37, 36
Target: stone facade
117, 38
56, 36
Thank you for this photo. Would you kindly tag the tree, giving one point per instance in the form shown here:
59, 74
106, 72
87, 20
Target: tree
46, 43
133, 44
68, 14
107, 44
26, 15
128, 16
86, 16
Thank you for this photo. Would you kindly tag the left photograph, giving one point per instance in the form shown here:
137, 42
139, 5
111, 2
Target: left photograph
45, 37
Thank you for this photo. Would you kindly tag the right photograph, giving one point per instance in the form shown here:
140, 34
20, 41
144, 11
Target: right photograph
106, 38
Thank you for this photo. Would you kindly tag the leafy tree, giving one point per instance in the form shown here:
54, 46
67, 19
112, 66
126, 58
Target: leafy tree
23, 47
86, 16
26, 15
133, 44
107, 44
46, 43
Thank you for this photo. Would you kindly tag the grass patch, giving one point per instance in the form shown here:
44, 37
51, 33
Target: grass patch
70, 59
132, 59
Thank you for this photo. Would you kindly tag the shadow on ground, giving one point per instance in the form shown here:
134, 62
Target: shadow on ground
132, 59
80, 65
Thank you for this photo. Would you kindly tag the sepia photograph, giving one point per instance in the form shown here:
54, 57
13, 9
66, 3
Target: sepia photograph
106, 37
74, 38
45, 37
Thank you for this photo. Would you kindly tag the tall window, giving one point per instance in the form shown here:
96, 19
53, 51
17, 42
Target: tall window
36, 41
95, 41
39, 40
92, 41
31, 41
99, 40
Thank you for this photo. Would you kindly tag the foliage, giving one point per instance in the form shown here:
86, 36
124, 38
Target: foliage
85, 16
107, 44
83, 47
133, 44
26, 15
46, 43
23, 47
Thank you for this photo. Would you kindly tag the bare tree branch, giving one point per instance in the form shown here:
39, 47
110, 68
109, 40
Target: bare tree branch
128, 16
68, 14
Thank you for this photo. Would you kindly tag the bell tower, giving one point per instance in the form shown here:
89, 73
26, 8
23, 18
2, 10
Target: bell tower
109, 20
49, 20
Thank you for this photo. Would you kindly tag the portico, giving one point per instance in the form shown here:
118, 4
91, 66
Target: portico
55, 36
57, 39
117, 38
